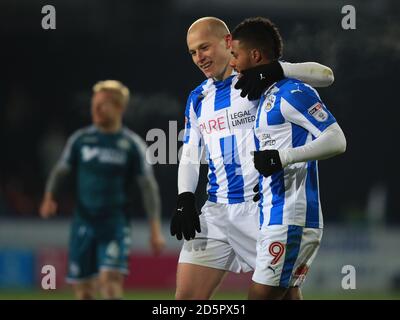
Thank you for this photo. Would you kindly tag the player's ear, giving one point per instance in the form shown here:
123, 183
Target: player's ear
256, 55
228, 41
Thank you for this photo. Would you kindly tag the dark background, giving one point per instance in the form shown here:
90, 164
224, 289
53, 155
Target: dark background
47, 76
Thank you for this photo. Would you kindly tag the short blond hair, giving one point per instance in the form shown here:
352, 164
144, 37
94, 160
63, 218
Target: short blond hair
120, 91
214, 25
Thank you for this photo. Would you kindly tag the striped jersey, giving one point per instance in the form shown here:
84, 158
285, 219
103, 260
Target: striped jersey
105, 166
219, 119
291, 114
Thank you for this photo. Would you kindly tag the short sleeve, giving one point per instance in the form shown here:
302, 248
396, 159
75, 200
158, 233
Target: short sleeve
70, 154
192, 133
142, 167
303, 107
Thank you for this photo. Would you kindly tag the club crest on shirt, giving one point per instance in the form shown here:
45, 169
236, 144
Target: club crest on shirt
123, 144
269, 102
318, 112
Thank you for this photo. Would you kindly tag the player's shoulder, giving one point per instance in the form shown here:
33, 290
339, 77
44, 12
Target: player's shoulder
197, 95
201, 89
293, 93
133, 138
77, 135
291, 88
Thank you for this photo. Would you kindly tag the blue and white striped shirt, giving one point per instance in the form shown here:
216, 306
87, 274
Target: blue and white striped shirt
219, 119
291, 114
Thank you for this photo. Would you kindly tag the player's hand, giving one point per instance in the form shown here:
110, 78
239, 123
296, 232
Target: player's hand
254, 81
267, 162
48, 207
185, 220
157, 242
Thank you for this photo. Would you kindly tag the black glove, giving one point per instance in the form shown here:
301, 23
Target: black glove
185, 219
257, 195
267, 162
254, 81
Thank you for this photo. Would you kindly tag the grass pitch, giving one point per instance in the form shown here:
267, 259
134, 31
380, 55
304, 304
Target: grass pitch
169, 295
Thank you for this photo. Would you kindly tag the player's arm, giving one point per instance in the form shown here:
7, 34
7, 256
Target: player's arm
150, 195
329, 143
189, 168
307, 111
57, 178
254, 81
312, 73
152, 205
185, 220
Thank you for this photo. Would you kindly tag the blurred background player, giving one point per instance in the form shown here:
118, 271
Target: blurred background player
104, 159
294, 129
219, 118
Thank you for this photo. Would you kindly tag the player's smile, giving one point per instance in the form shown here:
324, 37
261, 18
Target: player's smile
206, 65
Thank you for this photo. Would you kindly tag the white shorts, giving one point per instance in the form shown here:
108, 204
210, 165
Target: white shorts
228, 237
284, 254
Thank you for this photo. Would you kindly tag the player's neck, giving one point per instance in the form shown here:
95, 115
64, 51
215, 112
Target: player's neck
110, 128
225, 74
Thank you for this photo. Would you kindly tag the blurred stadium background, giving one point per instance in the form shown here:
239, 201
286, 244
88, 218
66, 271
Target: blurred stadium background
45, 87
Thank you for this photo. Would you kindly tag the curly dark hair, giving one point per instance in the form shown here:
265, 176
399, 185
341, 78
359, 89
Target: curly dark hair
260, 33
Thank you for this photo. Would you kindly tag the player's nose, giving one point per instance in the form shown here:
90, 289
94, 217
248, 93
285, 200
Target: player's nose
232, 63
200, 57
